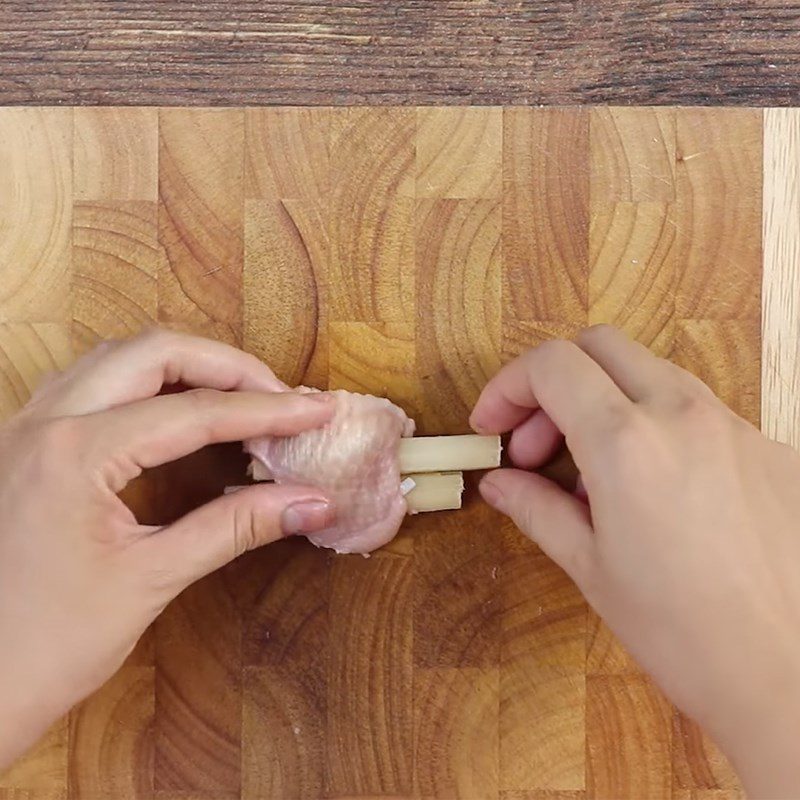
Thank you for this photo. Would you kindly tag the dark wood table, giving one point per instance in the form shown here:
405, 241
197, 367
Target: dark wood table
318, 52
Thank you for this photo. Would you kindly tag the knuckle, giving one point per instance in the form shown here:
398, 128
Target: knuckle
553, 350
596, 333
63, 434
624, 426
246, 526
155, 338
700, 410
203, 399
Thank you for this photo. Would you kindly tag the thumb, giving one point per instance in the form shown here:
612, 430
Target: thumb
218, 532
558, 522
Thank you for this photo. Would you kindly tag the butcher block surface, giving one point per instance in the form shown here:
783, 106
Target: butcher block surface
408, 253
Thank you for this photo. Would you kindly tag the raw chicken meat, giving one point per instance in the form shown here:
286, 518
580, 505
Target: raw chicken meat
355, 459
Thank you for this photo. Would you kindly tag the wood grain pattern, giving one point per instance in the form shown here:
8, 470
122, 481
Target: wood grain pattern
200, 219
198, 719
718, 213
628, 739
456, 743
116, 258
370, 677
780, 398
295, 52
459, 152
44, 769
697, 764
545, 214
458, 252
115, 154
372, 215
28, 353
36, 209
111, 738
404, 252
726, 356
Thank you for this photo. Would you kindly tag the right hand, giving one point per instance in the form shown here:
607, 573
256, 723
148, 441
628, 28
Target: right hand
684, 532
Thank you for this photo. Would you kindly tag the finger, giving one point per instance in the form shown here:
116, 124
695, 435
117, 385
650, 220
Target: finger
223, 529
557, 376
534, 442
139, 367
161, 429
558, 522
638, 372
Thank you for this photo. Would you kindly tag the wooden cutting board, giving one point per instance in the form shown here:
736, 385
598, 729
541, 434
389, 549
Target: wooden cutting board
406, 252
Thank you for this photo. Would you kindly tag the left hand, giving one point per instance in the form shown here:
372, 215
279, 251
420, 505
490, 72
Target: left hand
80, 578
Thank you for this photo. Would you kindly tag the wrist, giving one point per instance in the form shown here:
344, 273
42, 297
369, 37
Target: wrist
760, 734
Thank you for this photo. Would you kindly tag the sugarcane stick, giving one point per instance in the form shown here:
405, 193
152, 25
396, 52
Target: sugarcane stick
427, 491
433, 491
448, 453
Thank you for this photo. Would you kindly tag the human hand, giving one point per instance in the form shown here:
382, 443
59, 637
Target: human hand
688, 544
80, 579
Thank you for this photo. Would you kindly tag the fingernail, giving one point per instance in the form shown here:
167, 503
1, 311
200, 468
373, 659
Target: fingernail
492, 495
307, 516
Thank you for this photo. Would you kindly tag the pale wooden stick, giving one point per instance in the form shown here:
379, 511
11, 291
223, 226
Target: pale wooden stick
434, 491
428, 491
449, 453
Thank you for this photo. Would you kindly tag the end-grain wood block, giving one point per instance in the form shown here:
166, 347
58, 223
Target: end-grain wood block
697, 763
718, 213
545, 214
726, 355
28, 353
458, 248
35, 214
372, 215
605, 654
198, 716
628, 739
43, 768
375, 358
285, 289
111, 738
116, 154
456, 733
283, 744
286, 614
459, 152
632, 278
521, 335
287, 154
544, 615
632, 154
116, 258
200, 220
370, 677
542, 729
457, 589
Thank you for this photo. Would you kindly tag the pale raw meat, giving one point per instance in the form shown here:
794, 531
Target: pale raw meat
354, 459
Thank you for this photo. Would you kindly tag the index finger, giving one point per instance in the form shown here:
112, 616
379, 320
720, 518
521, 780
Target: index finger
558, 377
161, 429
139, 367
